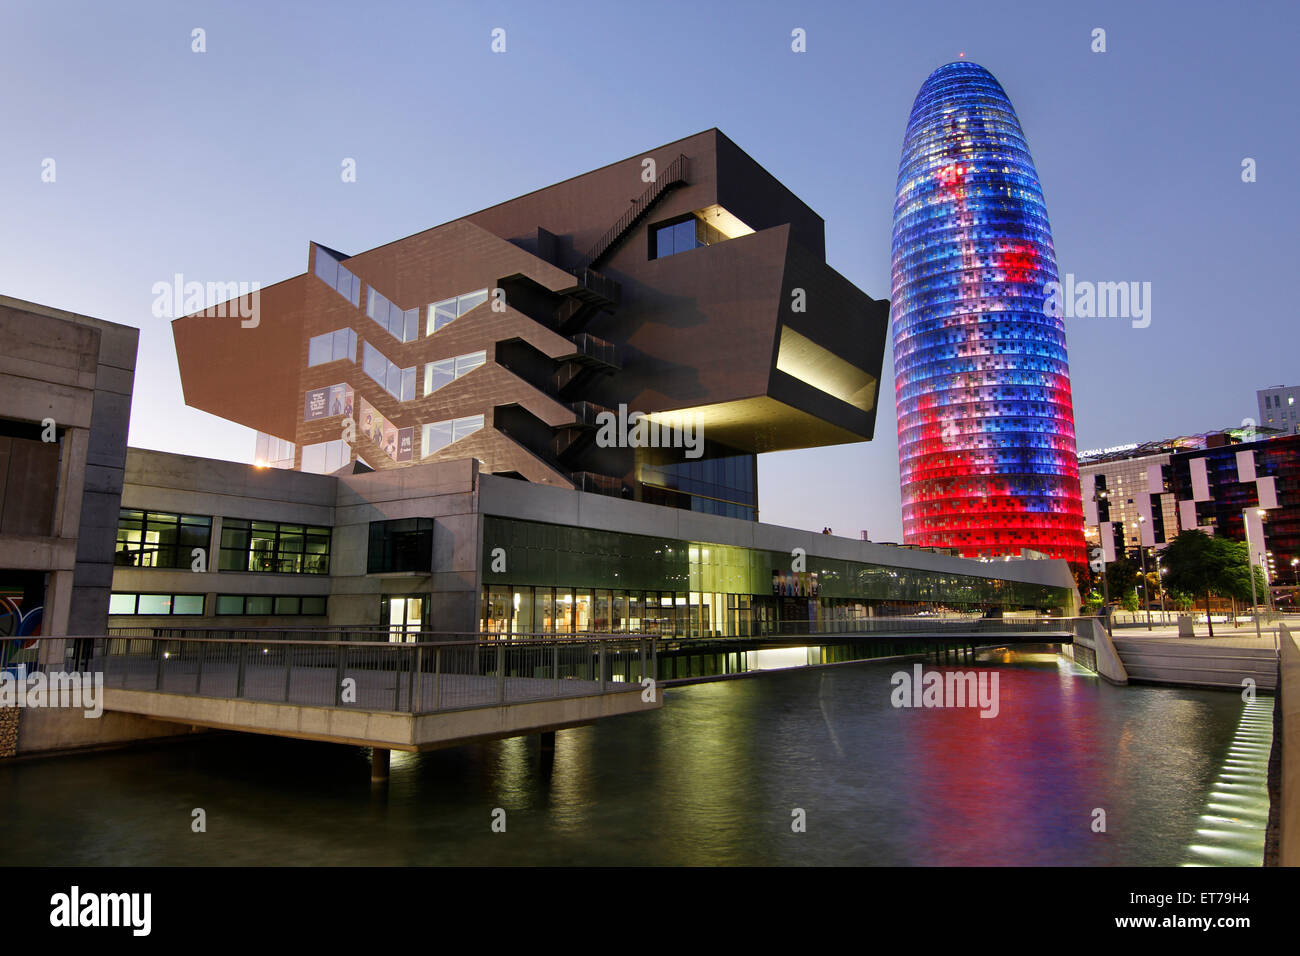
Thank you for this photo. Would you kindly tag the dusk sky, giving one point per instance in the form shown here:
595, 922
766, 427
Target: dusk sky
223, 165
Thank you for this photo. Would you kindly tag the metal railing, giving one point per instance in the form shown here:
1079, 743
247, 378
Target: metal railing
415, 678
672, 174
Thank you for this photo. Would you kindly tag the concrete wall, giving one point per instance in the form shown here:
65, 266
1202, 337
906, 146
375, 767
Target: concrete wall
77, 371
1289, 730
52, 730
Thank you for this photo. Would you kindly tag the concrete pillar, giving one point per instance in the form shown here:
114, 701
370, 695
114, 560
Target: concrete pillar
379, 764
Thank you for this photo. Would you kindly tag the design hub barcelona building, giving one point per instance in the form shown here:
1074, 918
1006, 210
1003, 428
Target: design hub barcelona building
471, 493
985, 417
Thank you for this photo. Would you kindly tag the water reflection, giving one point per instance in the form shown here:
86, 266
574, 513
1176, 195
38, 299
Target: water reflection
711, 778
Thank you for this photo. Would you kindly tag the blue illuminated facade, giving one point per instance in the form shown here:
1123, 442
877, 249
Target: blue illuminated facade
985, 416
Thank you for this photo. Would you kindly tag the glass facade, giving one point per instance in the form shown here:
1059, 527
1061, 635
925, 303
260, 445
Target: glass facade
563, 579
717, 486
155, 539
985, 414
274, 546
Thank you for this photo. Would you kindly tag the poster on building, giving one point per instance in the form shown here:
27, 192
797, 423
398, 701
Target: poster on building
381, 431
327, 402
316, 405
405, 444
795, 583
341, 397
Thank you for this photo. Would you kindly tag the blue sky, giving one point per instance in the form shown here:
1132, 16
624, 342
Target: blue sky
223, 165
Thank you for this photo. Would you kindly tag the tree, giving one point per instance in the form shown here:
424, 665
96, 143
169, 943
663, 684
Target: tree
1120, 575
1130, 600
1201, 564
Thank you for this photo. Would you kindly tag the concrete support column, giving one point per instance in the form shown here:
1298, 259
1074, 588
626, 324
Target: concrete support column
379, 764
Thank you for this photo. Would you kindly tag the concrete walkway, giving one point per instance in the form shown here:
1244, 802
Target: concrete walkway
1226, 660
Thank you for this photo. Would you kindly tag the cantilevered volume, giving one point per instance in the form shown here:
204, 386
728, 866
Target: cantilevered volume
985, 418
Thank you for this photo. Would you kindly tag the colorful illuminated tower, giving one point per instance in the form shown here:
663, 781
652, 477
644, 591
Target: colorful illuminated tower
985, 419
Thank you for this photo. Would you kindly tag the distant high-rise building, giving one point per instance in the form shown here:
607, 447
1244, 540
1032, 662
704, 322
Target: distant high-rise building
985, 416
1278, 409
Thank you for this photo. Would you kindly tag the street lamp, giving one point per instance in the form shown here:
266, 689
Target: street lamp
1146, 598
1250, 567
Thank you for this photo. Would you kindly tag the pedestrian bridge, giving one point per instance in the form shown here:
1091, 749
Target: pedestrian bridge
395, 696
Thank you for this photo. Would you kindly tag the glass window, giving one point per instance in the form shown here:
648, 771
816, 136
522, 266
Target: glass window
270, 546
437, 374
313, 605
375, 364
258, 604
440, 313
466, 426
287, 605
230, 604
154, 604
435, 437
187, 604
151, 539
467, 363
405, 544
470, 300
121, 603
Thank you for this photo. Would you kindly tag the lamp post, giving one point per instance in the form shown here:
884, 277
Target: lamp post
1146, 598
1250, 567
1098, 497
1160, 582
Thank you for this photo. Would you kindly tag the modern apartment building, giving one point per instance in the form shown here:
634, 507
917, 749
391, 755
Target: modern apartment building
685, 284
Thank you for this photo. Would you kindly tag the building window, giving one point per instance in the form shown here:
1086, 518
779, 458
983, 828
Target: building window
331, 347
397, 382
327, 457
271, 546
682, 236
405, 544
401, 325
443, 372
262, 605
329, 270
153, 539
448, 310
273, 452
124, 603
438, 435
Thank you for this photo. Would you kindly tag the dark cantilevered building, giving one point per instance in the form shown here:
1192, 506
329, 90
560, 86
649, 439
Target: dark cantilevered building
684, 283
